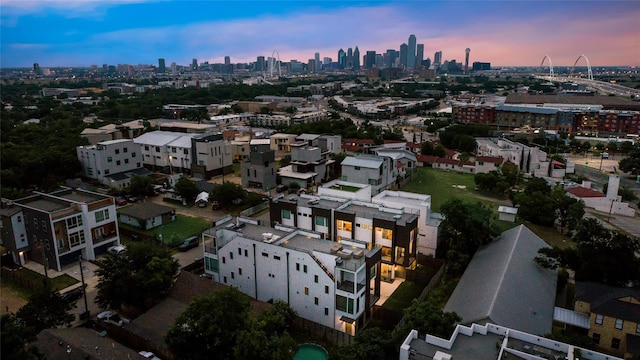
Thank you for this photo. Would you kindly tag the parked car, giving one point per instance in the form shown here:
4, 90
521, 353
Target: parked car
117, 249
72, 295
189, 243
112, 317
281, 188
148, 355
131, 198
121, 201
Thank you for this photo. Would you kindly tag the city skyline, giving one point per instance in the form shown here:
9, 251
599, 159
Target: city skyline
80, 33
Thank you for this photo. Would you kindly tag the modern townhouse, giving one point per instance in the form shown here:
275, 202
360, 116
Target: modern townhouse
323, 281
355, 222
61, 226
377, 171
311, 162
112, 163
259, 171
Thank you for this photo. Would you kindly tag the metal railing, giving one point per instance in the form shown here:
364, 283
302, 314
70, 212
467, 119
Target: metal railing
254, 210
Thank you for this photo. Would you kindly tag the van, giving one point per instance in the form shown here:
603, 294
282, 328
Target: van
605, 155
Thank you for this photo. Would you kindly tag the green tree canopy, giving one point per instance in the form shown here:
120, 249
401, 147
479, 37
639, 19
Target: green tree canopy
210, 326
427, 318
14, 338
139, 277
45, 309
370, 343
186, 188
227, 193
631, 163
141, 186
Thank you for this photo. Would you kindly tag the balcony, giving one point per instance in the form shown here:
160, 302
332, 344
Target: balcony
348, 286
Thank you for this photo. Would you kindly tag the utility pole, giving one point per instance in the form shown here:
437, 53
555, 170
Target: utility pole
46, 264
84, 289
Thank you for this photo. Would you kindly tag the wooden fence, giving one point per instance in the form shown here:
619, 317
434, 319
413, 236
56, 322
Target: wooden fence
315, 330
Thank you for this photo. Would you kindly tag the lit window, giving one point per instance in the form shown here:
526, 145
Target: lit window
599, 319
306, 290
619, 323
286, 214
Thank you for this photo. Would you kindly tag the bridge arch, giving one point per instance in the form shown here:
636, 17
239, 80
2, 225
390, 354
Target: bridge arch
551, 74
275, 61
589, 72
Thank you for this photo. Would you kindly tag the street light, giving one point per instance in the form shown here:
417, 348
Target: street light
601, 158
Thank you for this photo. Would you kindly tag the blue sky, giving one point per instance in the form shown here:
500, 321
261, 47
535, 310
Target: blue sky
84, 32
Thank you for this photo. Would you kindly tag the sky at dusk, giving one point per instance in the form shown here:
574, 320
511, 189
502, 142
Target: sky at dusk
85, 32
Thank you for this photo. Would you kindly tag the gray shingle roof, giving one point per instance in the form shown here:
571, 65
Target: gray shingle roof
146, 210
504, 285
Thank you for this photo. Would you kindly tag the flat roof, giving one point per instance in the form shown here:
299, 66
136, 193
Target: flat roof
477, 347
79, 195
43, 203
402, 198
370, 212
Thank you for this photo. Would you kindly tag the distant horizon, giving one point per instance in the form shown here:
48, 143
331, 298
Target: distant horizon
80, 33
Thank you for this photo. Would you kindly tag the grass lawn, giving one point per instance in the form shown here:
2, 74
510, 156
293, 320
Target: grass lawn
35, 279
403, 296
183, 227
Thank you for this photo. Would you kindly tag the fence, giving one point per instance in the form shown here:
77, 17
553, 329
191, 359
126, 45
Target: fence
315, 330
20, 278
423, 295
254, 210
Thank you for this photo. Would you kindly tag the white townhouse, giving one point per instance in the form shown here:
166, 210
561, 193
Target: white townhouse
111, 163
325, 282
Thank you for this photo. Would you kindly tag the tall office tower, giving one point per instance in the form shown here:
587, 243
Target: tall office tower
437, 58
161, 66
419, 55
36, 68
318, 65
349, 58
105, 68
342, 58
370, 59
411, 52
227, 60
311, 66
326, 61
260, 63
194, 64
392, 55
379, 61
174, 68
404, 51
356, 59
130, 70
466, 60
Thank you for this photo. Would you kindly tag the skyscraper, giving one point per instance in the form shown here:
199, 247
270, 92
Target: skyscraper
392, 55
466, 60
370, 59
174, 68
404, 50
349, 58
36, 68
342, 58
317, 64
227, 60
419, 55
162, 68
356, 59
260, 63
437, 58
194, 64
411, 52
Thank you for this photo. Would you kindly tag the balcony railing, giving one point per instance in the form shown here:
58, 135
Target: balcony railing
348, 286
105, 237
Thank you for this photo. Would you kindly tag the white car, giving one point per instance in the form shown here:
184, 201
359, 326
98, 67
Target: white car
117, 249
112, 317
148, 355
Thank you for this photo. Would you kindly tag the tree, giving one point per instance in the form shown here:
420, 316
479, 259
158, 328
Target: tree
426, 148
428, 318
141, 186
465, 228
439, 151
45, 309
186, 188
210, 326
138, 277
631, 163
371, 343
569, 211
227, 193
14, 337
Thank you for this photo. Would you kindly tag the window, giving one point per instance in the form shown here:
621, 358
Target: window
158, 149
240, 271
133, 154
265, 254
146, 147
315, 300
386, 233
304, 268
225, 280
233, 275
239, 251
246, 254
297, 266
102, 215
286, 214
344, 304
109, 159
638, 328
224, 261
344, 225
125, 150
44, 225
118, 162
315, 278
306, 290
76, 238
276, 257
599, 319
126, 161
231, 255
326, 289
186, 151
321, 221
615, 343
326, 311
619, 323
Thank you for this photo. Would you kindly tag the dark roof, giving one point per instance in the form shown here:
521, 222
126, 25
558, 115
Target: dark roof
604, 299
129, 174
490, 159
504, 285
204, 186
606, 101
82, 343
426, 158
145, 210
583, 192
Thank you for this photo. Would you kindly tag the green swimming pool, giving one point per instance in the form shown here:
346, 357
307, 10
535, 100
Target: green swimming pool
311, 352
